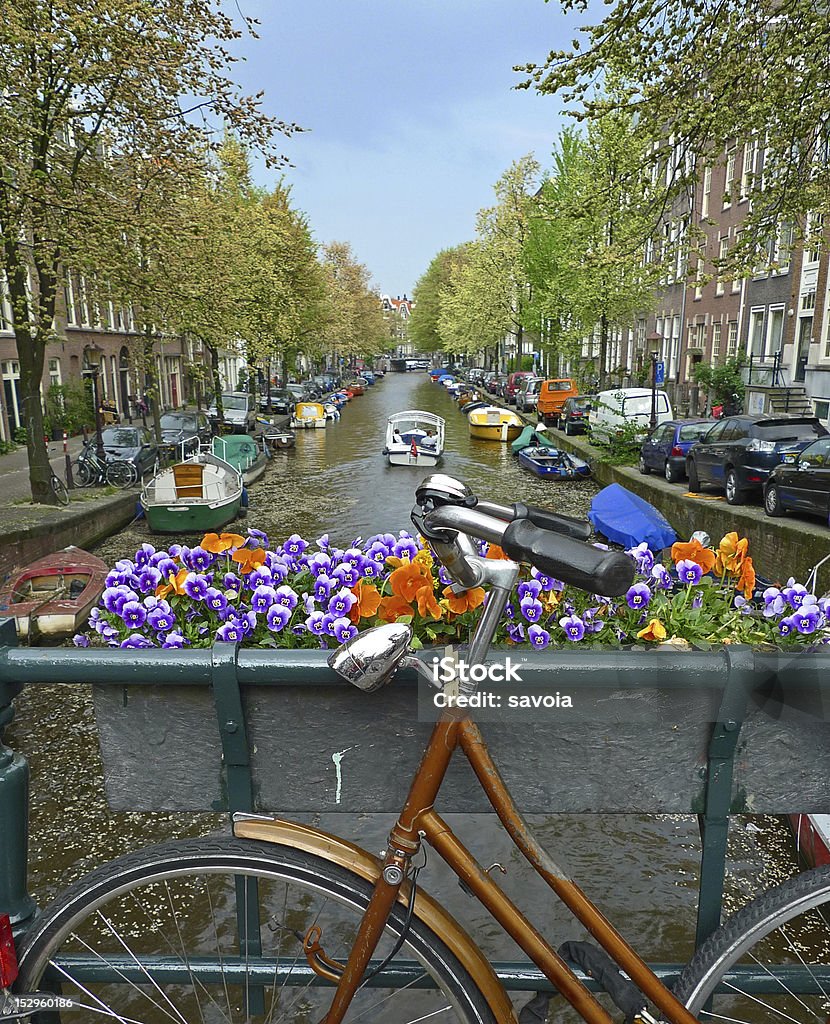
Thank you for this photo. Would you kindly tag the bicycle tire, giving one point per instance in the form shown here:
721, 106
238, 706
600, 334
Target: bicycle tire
785, 925
59, 490
83, 474
121, 473
105, 909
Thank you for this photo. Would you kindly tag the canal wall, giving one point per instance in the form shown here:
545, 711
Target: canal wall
780, 548
28, 532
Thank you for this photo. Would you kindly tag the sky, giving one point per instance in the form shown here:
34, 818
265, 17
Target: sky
411, 115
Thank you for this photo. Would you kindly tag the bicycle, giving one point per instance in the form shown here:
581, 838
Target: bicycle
88, 470
58, 487
283, 922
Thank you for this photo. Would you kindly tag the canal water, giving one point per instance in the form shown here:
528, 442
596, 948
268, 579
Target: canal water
641, 870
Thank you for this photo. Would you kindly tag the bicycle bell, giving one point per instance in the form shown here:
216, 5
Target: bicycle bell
370, 659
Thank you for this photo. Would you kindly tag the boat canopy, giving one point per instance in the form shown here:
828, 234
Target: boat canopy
626, 518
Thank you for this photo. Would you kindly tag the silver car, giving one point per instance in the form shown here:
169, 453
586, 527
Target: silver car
528, 393
239, 410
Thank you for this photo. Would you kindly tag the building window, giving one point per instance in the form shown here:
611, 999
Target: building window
748, 169
722, 254
815, 225
83, 301
716, 332
69, 301
729, 179
775, 330
756, 333
732, 340
822, 407
707, 191
54, 372
782, 248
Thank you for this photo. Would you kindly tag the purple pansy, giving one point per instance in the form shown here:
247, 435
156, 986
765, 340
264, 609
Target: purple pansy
406, 546
277, 617
807, 618
531, 609
200, 560
114, 598
343, 630
315, 623
174, 640
136, 640
516, 632
787, 626
134, 614
195, 586
794, 593
573, 626
259, 536
216, 600
286, 597
260, 577
148, 579
295, 546
341, 603
662, 577
230, 581
230, 632
547, 582
79, 640
324, 587
144, 555
319, 562
638, 596
347, 575
161, 621
538, 637
262, 599
689, 572
529, 588
643, 556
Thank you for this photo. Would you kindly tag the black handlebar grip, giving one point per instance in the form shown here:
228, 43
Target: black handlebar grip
568, 526
610, 573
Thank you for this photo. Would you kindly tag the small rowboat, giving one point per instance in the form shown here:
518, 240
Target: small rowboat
201, 494
308, 414
492, 423
54, 595
553, 463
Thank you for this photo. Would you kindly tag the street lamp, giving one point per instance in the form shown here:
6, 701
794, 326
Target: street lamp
654, 339
92, 367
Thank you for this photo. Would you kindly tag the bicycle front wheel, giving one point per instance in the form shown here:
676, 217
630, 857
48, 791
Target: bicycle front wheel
121, 474
210, 931
770, 961
82, 473
59, 490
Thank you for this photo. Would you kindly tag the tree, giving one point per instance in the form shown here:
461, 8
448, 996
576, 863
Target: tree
91, 112
355, 324
702, 78
423, 324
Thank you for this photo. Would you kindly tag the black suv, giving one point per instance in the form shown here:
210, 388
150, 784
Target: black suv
740, 452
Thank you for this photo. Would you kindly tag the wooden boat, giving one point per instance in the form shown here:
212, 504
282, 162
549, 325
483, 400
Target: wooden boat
812, 837
492, 423
200, 494
414, 438
553, 463
243, 453
54, 595
308, 415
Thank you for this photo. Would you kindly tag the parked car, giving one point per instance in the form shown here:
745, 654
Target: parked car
665, 449
739, 452
182, 433
552, 397
801, 483
615, 408
282, 401
576, 414
240, 412
528, 393
495, 384
513, 381
130, 444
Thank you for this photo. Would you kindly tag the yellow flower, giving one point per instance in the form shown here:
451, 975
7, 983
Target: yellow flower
424, 557
731, 553
655, 630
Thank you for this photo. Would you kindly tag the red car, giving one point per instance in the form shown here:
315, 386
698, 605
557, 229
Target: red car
513, 382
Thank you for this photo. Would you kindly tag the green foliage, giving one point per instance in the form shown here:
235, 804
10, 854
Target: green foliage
69, 406
423, 324
721, 381
526, 363
6, 447
622, 446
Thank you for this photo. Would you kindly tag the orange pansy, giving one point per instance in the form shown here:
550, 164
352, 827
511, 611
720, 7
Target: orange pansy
174, 585
427, 604
746, 579
368, 600
695, 552
218, 544
465, 602
731, 552
494, 551
393, 607
248, 559
407, 580
653, 631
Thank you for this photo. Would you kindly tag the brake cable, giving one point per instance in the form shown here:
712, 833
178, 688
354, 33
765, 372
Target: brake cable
410, 910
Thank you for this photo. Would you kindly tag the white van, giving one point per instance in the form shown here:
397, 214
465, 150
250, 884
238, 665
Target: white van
618, 406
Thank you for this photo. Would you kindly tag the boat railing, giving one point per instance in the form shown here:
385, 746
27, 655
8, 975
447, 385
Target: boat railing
187, 447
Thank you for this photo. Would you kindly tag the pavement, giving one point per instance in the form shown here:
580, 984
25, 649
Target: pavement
14, 469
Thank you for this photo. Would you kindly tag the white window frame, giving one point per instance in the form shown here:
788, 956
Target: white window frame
717, 330
723, 250
707, 191
769, 343
732, 339
729, 177
756, 318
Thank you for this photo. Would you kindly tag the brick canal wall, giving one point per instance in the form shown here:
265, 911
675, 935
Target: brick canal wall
28, 532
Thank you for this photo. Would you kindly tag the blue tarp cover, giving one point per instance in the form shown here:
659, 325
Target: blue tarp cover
626, 518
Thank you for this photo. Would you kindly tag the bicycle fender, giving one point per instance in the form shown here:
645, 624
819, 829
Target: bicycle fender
427, 909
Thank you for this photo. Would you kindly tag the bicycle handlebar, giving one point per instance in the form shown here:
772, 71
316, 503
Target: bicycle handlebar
554, 544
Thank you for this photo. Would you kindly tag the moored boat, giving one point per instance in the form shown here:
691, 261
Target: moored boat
243, 453
200, 494
553, 463
308, 415
532, 437
492, 423
54, 595
812, 837
414, 438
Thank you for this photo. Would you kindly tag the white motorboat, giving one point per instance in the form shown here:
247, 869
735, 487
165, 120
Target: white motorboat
414, 438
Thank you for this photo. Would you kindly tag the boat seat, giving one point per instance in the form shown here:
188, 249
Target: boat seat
187, 477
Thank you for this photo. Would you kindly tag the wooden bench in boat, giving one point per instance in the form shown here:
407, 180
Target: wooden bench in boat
187, 477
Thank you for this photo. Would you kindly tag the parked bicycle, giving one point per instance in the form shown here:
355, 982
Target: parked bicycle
285, 923
88, 470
